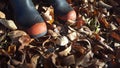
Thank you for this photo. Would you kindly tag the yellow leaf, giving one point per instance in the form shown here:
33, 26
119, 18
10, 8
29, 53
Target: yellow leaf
11, 49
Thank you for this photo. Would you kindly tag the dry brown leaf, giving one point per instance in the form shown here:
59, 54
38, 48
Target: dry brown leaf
101, 40
25, 39
11, 49
66, 51
62, 41
117, 19
34, 61
16, 34
3, 52
49, 15
68, 60
48, 64
2, 15
54, 56
52, 33
8, 24
85, 30
100, 63
72, 36
115, 36
85, 60
104, 22
79, 48
80, 22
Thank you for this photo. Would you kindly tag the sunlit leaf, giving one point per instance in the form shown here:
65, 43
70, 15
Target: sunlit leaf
11, 49
65, 52
49, 15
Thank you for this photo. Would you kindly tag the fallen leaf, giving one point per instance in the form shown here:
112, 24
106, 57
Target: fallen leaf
25, 39
62, 41
105, 22
66, 51
79, 48
117, 19
85, 60
115, 36
11, 49
68, 60
49, 15
72, 36
16, 34
34, 60
2, 15
80, 22
9, 24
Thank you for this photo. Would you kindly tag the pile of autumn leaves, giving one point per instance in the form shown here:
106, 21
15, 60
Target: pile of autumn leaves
94, 41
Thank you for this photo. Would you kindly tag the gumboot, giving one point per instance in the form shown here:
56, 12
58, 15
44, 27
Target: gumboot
28, 17
63, 10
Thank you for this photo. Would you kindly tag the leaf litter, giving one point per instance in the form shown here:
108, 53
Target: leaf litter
93, 41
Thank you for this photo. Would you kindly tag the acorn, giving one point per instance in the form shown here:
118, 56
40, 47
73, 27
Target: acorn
28, 18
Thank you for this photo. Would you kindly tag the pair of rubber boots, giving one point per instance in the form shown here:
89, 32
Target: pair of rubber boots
30, 20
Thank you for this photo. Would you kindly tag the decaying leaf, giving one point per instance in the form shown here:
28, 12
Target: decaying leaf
25, 39
9, 24
115, 36
105, 22
2, 15
117, 19
68, 60
62, 41
103, 4
80, 22
101, 40
79, 48
90, 41
85, 60
66, 51
49, 15
72, 36
85, 30
52, 33
15, 34
34, 61
11, 49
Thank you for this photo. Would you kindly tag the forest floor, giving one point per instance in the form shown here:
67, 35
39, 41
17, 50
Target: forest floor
92, 42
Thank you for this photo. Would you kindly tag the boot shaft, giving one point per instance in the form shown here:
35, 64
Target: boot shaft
25, 13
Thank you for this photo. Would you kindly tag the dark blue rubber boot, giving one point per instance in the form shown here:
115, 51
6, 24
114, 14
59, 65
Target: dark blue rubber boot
28, 17
63, 10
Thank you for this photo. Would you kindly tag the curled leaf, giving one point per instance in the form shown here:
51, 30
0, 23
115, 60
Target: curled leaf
66, 51
52, 33
68, 60
72, 36
80, 22
103, 4
2, 15
25, 40
49, 15
15, 34
105, 22
9, 24
11, 49
85, 30
115, 36
63, 40
85, 60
